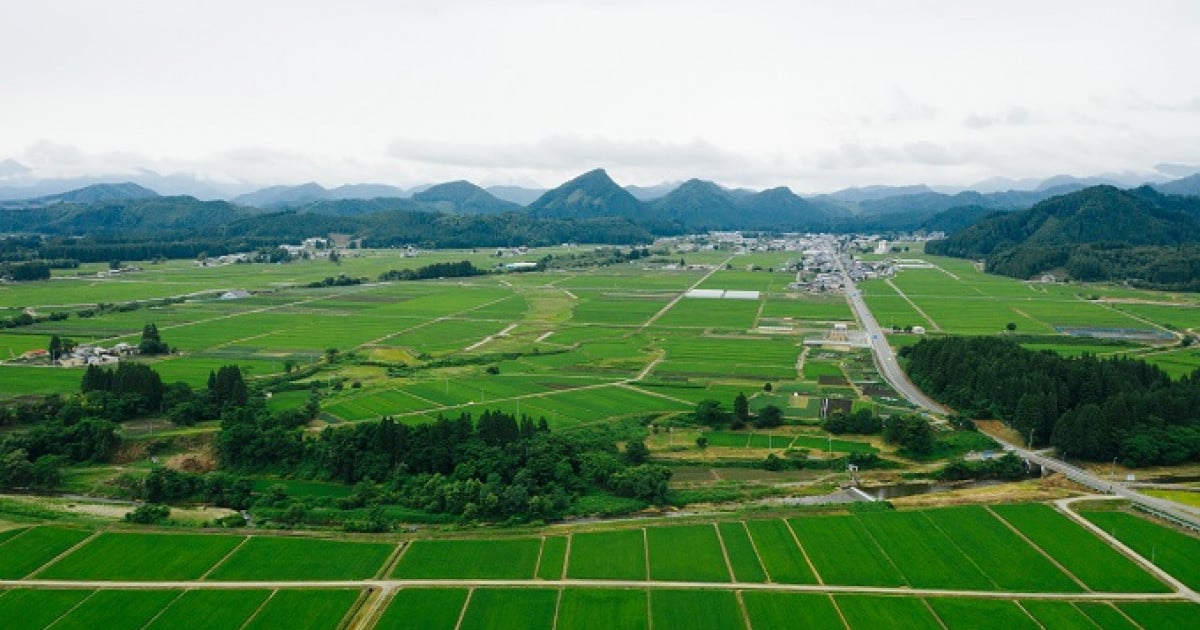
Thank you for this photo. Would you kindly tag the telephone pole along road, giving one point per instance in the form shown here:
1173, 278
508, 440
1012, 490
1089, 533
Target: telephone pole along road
889, 369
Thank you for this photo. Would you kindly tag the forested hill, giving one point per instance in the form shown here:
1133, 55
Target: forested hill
593, 194
1099, 233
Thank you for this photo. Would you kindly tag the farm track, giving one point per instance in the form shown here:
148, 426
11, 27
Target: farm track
392, 584
913, 304
672, 303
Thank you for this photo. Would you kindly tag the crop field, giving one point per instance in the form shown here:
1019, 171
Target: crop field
209, 609
1011, 563
495, 559
957, 548
780, 555
694, 610
160, 557
709, 313
1176, 552
1097, 565
318, 609
691, 552
501, 609
791, 610
554, 552
808, 309
24, 552
115, 609
275, 558
601, 609
426, 608
926, 557
616, 555
843, 552
962, 613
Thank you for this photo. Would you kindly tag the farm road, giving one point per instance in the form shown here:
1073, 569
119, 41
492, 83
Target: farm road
575, 583
672, 303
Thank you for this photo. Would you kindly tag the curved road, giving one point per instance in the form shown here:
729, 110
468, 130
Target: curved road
889, 368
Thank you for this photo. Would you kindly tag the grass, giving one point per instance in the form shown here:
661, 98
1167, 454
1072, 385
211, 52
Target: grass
275, 558
691, 552
320, 609
602, 609
1003, 556
210, 610
116, 610
791, 610
881, 612
1052, 614
30, 609
925, 556
1099, 566
21, 555
554, 552
742, 557
425, 608
958, 612
780, 555
121, 556
513, 559
1174, 551
694, 610
615, 555
504, 609
844, 553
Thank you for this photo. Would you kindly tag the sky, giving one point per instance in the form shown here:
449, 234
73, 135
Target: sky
816, 96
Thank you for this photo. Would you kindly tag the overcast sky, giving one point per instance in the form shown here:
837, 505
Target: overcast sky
812, 95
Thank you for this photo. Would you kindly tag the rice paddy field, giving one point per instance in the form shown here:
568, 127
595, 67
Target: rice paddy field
580, 347
1040, 567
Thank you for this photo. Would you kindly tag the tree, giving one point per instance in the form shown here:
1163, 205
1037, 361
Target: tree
741, 409
769, 416
55, 348
702, 443
709, 412
1010, 326
912, 433
151, 342
636, 452
767, 387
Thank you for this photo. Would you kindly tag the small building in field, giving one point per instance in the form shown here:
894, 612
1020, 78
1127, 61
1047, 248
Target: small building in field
918, 330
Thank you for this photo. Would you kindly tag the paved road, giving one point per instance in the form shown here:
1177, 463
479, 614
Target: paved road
885, 358
889, 368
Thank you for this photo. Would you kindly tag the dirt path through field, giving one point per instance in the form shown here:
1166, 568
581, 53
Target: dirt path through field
913, 304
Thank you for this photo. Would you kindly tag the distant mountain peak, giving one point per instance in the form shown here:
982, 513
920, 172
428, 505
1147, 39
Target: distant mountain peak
592, 194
